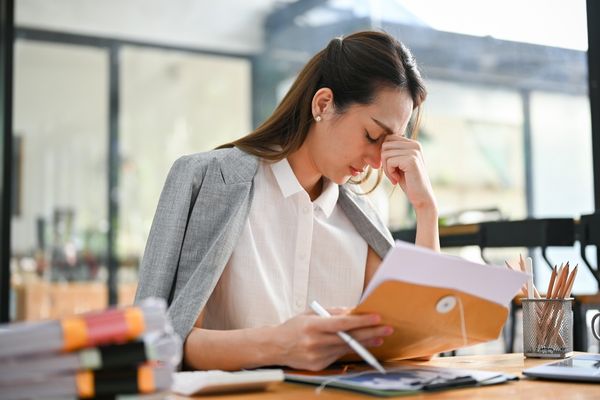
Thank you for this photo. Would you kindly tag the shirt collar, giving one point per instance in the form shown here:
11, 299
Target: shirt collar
287, 181
289, 185
328, 198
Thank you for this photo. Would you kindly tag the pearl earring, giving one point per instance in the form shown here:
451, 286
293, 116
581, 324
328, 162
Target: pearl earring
318, 118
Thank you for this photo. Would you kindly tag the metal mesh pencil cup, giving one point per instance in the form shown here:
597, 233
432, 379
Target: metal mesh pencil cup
547, 328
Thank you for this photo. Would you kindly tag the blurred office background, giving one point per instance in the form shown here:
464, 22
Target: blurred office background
107, 94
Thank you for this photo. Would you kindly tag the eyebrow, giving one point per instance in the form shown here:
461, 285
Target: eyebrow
386, 128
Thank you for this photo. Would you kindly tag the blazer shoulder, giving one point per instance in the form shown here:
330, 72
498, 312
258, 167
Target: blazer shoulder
234, 164
198, 161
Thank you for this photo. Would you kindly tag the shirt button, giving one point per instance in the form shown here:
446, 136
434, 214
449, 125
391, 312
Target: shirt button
299, 303
306, 209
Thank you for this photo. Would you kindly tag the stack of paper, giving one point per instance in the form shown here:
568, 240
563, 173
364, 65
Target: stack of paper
116, 352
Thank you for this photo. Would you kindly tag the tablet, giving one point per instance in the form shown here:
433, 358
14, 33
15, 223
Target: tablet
585, 367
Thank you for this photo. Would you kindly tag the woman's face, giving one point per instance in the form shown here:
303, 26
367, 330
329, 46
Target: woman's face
343, 145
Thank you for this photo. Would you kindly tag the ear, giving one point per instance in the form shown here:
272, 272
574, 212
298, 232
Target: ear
322, 102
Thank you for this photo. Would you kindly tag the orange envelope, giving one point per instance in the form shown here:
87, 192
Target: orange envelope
436, 302
427, 320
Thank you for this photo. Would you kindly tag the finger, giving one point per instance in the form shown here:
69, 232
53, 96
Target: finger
393, 175
401, 146
373, 342
398, 138
360, 335
326, 340
339, 310
402, 161
407, 153
347, 322
371, 333
393, 141
394, 172
344, 348
396, 177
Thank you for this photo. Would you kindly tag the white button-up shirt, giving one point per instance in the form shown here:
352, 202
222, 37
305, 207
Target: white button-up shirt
291, 251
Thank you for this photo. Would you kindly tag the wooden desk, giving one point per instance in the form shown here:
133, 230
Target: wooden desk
526, 389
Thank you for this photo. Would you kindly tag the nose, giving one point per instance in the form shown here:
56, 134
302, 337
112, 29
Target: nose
373, 157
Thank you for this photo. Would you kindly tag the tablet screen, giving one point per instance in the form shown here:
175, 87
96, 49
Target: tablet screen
577, 363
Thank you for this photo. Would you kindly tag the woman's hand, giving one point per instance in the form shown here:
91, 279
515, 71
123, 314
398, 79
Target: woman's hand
310, 342
403, 164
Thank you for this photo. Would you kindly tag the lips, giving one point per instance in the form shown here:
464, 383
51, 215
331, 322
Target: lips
355, 172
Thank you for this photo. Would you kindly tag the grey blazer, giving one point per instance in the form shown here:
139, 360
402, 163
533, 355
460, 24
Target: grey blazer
200, 215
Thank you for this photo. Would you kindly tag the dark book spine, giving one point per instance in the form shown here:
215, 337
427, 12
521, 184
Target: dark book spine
119, 381
120, 355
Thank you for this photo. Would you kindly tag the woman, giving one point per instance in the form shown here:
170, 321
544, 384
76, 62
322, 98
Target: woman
246, 236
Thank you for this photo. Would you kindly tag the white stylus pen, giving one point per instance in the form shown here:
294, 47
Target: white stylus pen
529, 270
364, 353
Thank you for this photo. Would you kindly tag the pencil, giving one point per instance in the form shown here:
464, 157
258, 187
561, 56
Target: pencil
536, 294
562, 271
521, 263
551, 284
571, 282
548, 313
552, 334
563, 286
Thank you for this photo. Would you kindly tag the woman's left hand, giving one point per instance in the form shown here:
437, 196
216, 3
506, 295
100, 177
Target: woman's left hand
403, 164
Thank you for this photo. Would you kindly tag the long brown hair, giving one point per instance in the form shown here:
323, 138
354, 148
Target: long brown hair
354, 68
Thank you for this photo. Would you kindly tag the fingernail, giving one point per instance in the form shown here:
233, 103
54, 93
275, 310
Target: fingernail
388, 330
376, 319
377, 342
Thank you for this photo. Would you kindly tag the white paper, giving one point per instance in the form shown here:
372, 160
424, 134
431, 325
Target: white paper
409, 263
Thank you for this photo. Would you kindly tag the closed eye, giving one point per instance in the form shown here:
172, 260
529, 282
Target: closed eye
370, 139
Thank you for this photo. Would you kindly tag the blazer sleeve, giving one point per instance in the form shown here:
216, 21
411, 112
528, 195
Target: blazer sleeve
163, 249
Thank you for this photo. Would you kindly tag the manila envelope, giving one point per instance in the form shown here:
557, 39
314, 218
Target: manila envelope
420, 329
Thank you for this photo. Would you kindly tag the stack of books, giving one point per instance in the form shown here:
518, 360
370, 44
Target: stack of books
119, 353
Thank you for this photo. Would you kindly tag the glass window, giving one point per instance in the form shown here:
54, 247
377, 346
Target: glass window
60, 221
472, 136
562, 172
172, 104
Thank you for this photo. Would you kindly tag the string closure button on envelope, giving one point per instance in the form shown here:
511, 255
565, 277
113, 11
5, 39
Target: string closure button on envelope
446, 304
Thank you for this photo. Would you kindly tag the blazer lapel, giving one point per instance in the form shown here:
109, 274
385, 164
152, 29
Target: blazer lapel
366, 221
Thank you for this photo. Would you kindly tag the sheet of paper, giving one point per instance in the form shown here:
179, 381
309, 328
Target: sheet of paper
409, 263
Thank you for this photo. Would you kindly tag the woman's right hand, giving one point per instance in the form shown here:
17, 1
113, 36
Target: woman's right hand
310, 342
